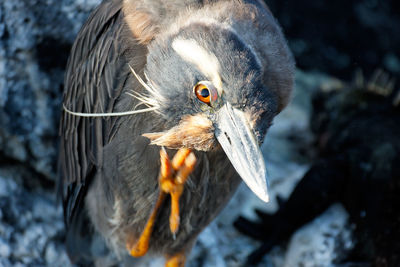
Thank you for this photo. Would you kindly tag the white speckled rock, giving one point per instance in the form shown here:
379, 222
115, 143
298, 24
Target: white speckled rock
322, 242
31, 225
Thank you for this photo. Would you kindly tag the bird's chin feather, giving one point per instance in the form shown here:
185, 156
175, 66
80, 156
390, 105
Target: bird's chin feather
193, 132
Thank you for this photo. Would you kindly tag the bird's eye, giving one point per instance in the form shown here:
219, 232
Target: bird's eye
203, 93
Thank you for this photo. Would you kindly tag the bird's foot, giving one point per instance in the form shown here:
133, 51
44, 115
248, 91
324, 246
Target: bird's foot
173, 175
176, 260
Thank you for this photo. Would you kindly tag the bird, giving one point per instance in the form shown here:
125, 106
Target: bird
165, 107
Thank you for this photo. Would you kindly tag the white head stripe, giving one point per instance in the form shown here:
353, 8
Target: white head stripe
206, 62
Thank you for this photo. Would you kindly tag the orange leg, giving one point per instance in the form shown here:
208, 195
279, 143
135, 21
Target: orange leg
176, 260
142, 245
183, 163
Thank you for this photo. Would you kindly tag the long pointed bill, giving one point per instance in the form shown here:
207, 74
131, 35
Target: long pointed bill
237, 140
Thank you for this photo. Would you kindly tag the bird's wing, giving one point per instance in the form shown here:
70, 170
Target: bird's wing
95, 76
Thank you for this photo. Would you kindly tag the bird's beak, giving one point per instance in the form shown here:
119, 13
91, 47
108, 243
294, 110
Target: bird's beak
234, 134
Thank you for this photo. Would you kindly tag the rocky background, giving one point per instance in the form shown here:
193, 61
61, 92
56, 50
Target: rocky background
337, 38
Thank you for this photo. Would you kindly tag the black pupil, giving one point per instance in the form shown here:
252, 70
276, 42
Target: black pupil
204, 92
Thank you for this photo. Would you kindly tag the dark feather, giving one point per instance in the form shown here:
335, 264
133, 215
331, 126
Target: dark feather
81, 143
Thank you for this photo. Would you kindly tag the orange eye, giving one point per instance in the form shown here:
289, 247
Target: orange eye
203, 93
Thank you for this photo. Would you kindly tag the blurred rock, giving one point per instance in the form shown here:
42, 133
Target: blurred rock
35, 39
31, 225
337, 37
323, 242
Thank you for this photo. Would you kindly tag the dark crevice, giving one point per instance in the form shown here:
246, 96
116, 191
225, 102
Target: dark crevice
30, 178
52, 53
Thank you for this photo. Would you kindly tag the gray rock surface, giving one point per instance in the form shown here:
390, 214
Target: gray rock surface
31, 225
35, 39
338, 37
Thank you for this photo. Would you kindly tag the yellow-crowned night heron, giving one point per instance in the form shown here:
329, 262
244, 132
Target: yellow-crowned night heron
200, 76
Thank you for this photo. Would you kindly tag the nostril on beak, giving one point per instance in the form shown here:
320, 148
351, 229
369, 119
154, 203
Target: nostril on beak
227, 137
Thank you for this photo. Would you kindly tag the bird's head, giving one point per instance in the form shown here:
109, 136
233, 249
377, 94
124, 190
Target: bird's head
210, 86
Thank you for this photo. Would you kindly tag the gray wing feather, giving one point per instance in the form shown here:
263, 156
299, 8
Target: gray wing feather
90, 87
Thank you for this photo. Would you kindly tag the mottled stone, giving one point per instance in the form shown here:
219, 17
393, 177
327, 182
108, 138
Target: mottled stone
338, 37
35, 39
322, 242
31, 225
